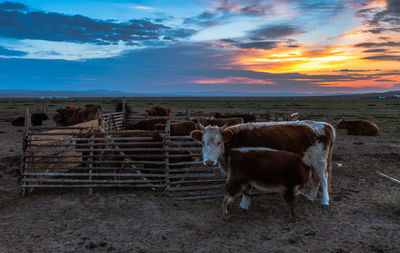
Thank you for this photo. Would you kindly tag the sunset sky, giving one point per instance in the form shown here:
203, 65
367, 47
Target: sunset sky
201, 46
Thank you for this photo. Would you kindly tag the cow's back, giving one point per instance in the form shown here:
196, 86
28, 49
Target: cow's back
296, 138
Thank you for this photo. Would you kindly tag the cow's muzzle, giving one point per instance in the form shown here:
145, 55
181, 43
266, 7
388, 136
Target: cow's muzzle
210, 163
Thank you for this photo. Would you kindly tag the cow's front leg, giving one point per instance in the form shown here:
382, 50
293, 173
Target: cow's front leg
232, 189
246, 200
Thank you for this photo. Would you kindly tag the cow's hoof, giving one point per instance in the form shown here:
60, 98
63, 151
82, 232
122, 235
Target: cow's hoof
324, 206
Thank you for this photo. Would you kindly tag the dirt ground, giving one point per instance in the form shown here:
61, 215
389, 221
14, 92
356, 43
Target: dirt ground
145, 221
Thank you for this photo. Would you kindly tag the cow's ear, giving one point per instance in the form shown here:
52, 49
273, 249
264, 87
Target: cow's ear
197, 135
227, 134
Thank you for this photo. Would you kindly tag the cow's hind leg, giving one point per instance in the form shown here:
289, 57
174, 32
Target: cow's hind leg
231, 191
322, 173
290, 198
246, 200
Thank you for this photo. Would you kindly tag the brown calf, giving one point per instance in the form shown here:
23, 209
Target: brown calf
358, 127
264, 169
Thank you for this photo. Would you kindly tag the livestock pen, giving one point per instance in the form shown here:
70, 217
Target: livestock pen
102, 153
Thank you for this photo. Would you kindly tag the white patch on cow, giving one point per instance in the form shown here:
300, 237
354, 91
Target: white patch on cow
245, 203
247, 149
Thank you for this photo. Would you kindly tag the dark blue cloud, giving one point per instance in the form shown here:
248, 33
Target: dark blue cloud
268, 32
17, 21
7, 52
258, 45
227, 9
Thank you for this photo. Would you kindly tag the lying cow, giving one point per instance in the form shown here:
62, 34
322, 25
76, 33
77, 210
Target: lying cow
146, 124
313, 141
247, 117
263, 169
220, 122
36, 119
159, 111
181, 128
358, 127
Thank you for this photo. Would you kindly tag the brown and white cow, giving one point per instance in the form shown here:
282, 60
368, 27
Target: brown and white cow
264, 169
313, 141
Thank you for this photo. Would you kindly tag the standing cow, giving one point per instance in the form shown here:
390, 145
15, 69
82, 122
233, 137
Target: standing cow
313, 141
264, 169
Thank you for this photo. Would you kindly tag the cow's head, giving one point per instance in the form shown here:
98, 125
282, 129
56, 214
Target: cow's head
341, 124
212, 139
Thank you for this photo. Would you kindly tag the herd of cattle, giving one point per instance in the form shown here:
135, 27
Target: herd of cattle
277, 156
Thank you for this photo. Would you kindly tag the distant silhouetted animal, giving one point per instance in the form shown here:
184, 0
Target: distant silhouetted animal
247, 117
358, 127
72, 115
159, 111
36, 119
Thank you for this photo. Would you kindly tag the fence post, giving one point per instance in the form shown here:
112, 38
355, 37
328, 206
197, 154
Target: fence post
166, 153
187, 114
91, 160
276, 117
24, 164
123, 112
268, 115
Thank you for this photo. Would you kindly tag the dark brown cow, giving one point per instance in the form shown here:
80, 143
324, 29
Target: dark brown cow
181, 128
36, 119
72, 115
247, 117
358, 127
313, 141
159, 111
220, 121
146, 124
264, 169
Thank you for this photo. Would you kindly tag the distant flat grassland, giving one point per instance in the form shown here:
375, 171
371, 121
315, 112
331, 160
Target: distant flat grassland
381, 111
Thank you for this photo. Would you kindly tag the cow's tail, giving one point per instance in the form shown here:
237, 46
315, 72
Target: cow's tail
329, 165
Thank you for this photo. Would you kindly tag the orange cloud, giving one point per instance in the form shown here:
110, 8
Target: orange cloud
233, 80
